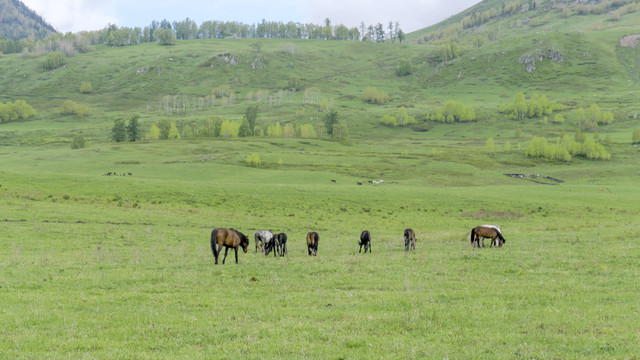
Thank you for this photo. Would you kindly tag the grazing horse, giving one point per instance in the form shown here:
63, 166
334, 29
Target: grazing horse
486, 232
278, 245
365, 239
409, 239
312, 243
262, 237
229, 238
281, 243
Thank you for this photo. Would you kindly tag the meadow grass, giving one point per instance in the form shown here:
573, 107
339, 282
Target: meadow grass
113, 267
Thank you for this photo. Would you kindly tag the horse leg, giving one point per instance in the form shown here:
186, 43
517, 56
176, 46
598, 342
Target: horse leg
236, 249
226, 249
369, 244
218, 254
365, 248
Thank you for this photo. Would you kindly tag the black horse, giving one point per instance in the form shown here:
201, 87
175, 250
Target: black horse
277, 244
229, 238
409, 239
365, 240
281, 243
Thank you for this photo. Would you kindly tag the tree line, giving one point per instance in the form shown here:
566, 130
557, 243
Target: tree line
565, 148
166, 32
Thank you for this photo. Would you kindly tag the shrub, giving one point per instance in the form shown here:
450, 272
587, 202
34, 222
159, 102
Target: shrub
86, 88
253, 160
78, 142
454, 111
70, 107
19, 110
404, 68
374, 96
54, 60
635, 136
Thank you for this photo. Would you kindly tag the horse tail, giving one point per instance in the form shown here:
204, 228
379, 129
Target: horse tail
471, 236
214, 242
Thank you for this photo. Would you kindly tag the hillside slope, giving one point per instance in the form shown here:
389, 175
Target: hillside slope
17, 21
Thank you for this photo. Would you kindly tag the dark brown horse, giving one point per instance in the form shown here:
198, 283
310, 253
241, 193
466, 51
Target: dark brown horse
312, 243
486, 232
409, 239
365, 240
229, 238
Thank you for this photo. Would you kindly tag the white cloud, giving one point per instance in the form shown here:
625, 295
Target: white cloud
78, 15
75, 15
412, 14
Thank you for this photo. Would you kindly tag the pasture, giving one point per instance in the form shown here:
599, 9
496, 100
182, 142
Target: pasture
113, 267
121, 267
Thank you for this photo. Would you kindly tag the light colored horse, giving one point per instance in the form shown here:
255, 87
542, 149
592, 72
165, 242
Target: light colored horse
262, 237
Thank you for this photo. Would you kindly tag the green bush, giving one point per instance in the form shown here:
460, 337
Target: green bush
86, 88
54, 60
253, 160
70, 107
78, 142
404, 68
374, 96
19, 110
454, 111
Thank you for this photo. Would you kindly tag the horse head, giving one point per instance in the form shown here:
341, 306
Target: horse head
268, 247
244, 240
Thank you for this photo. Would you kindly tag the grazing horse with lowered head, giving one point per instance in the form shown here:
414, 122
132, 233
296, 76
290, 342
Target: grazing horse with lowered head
409, 239
312, 243
262, 237
277, 244
365, 240
486, 232
229, 238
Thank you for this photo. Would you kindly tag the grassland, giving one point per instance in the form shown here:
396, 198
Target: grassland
113, 267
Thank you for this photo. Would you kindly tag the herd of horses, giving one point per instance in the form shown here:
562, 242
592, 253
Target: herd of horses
267, 242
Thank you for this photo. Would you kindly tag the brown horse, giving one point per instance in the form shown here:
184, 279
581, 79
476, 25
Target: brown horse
486, 232
312, 243
409, 239
229, 238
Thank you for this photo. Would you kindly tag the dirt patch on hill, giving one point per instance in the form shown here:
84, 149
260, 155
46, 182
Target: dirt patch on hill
630, 41
537, 178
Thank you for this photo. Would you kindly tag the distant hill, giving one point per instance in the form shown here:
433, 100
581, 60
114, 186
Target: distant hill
17, 21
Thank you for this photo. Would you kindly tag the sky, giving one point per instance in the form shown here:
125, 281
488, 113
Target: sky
79, 15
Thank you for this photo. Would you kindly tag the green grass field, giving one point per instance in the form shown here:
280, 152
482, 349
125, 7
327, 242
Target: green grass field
120, 267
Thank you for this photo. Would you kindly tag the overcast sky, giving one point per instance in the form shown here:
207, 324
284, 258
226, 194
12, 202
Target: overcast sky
78, 15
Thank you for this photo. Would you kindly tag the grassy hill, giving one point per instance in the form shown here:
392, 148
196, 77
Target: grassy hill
120, 266
19, 22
